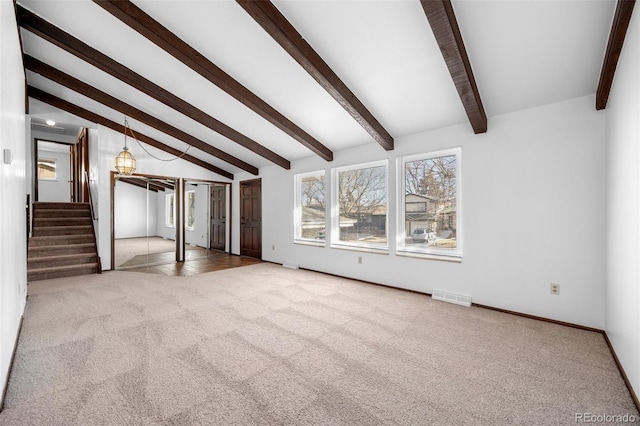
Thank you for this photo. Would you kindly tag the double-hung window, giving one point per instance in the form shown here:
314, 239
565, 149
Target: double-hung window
360, 206
429, 205
310, 207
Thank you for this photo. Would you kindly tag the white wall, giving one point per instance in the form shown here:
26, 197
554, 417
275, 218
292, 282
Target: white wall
133, 217
623, 208
13, 246
533, 213
57, 190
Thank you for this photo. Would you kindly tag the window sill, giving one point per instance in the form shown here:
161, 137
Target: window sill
361, 248
318, 243
455, 258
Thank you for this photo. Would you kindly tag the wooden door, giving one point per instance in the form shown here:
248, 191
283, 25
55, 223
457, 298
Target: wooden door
251, 218
218, 234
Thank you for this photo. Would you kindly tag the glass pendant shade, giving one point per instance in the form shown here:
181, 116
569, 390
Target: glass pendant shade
125, 163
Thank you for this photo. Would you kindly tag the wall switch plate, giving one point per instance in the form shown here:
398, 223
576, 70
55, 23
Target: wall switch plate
555, 289
7, 155
360, 259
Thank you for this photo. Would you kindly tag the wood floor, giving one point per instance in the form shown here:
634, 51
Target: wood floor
214, 261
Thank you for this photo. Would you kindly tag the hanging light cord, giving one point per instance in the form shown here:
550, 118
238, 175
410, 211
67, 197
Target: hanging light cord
126, 126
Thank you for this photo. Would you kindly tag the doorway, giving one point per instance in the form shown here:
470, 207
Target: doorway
219, 230
145, 221
165, 224
53, 172
251, 218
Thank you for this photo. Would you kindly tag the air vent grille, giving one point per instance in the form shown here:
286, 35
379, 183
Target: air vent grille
446, 296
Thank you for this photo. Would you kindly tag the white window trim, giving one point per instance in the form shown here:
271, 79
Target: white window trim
335, 209
166, 211
186, 201
297, 209
429, 252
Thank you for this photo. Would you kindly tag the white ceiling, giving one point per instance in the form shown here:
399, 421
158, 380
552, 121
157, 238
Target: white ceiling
523, 53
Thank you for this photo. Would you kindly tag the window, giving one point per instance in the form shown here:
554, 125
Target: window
169, 210
310, 216
47, 169
191, 209
360, 195
430, 204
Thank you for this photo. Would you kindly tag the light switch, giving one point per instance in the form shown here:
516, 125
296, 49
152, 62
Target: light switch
7, 156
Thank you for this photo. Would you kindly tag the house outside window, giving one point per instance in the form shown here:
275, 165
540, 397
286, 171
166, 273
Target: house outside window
360, 206
191, 209
169, 210
429, 210
310, 213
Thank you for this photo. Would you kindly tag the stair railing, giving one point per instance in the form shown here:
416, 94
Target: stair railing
94, 220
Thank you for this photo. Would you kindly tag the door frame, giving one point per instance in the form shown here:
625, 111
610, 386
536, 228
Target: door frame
180, 210
69, 178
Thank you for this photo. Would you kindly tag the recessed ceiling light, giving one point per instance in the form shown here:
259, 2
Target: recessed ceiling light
50, 122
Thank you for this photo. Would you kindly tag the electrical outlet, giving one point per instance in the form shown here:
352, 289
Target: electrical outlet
273, 247
360, 259
555, 289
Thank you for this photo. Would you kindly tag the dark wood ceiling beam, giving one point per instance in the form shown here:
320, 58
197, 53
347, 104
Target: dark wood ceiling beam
267, 15
162, 184
621, 19
445, 28
144, 24
97, 95
44, 29
140, 183
52, 100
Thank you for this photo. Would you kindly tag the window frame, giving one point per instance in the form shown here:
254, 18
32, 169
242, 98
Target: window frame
297, 210
335, 208
187, 213
169, 213
428, 252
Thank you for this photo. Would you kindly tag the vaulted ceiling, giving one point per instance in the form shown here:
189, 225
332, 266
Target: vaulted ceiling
250, 84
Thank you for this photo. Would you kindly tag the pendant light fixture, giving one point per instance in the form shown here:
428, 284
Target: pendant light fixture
125, 162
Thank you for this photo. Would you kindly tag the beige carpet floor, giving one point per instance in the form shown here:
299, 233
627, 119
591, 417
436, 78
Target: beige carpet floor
266, 345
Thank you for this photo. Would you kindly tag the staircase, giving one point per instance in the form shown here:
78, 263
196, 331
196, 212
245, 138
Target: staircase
63, 242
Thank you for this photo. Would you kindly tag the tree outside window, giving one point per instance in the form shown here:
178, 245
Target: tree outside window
310, 215
361, 196
431, 200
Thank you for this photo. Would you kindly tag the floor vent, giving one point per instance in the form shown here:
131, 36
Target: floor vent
445, 296
291, 265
